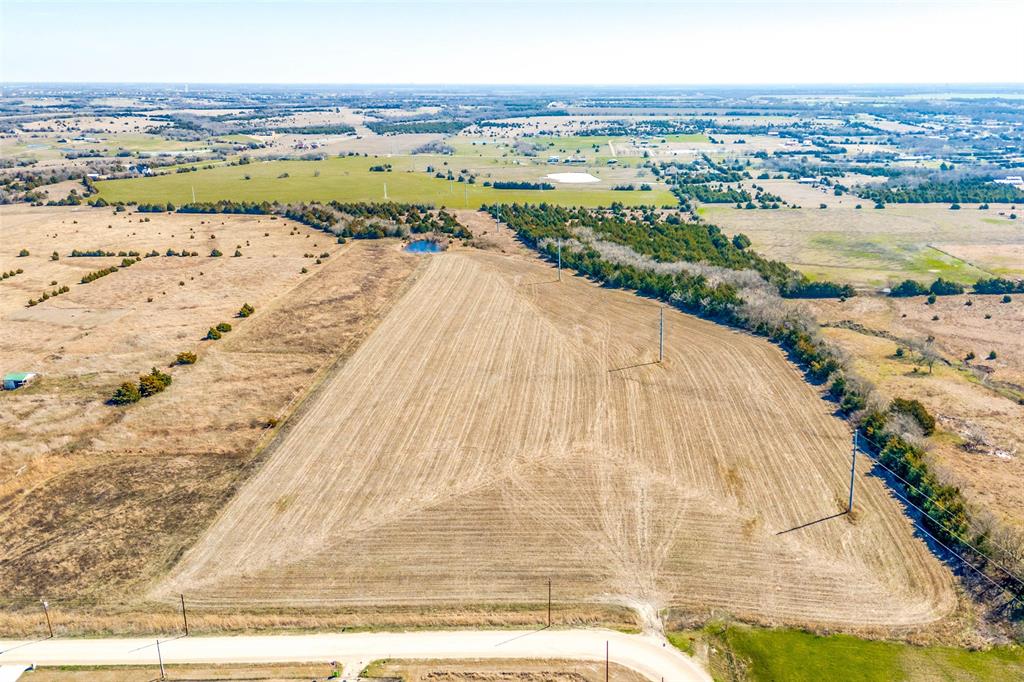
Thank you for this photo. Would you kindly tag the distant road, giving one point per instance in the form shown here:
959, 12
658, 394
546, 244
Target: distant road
648, 655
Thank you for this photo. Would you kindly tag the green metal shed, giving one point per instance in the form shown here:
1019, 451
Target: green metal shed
13, 380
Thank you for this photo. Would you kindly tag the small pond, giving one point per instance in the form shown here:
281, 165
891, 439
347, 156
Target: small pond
424, 246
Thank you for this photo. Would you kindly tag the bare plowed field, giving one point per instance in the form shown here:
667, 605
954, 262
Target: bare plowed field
499, 428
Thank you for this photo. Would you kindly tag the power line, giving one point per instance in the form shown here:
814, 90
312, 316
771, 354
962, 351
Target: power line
925, 495
975, 549
1013, 597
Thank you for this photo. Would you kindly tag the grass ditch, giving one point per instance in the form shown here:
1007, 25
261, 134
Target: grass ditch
737, 653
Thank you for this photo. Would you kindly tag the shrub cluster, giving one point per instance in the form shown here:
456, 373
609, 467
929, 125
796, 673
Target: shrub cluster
512, 184
148, 385
96, 274
943, 287
46, 295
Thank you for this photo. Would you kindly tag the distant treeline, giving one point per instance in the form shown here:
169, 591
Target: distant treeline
943, 287
969, 191
332, 129
400, 127
665, 240
511, 184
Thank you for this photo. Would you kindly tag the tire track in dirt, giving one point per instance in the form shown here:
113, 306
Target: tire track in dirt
499, 428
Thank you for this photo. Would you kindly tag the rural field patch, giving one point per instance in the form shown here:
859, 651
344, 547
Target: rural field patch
76, 475
350, 179
499, 428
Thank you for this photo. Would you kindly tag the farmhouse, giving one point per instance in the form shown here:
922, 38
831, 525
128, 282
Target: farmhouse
13, 380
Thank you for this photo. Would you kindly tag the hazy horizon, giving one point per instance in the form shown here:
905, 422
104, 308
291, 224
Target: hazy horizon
756, 43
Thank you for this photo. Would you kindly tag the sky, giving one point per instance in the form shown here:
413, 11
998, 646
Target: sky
491, 42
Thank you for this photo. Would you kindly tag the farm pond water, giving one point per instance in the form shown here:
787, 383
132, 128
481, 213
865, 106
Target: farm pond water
423, 246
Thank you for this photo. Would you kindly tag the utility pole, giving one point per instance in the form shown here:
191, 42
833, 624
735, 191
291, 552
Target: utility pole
559, 259
160, 658
385, 191
660, 334
193, 194
549, 602
46, 610
853, 470
184, 616
606, 666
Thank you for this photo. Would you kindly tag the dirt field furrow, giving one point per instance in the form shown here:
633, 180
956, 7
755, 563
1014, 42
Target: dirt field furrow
500, 427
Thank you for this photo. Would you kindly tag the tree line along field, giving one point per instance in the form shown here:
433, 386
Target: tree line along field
350, 179
500, 427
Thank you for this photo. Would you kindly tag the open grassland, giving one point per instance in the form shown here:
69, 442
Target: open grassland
500, 427
349, 179
736, 653
96, 500
977, 403
868, 247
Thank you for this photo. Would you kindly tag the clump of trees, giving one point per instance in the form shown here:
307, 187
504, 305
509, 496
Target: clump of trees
46, 295
966, 191
153, 383
246, 310
404, 127
998, 285
148, 385
96, 274
155, 208
514, 184
915, 410
185, 358
944, 287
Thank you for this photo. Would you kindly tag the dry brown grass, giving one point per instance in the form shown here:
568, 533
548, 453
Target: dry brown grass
96, 500
408, 671
499, 428
964, 404
501, 671
75, 618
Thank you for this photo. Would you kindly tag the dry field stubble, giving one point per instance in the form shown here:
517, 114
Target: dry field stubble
499, 428
96, 500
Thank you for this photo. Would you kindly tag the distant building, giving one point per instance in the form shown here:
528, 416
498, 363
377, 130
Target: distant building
807, 181
553, 158
15, 380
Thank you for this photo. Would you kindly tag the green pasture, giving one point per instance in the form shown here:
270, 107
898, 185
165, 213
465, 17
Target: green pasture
871, 248
794, 656
349, 179
688, 137
142, 142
